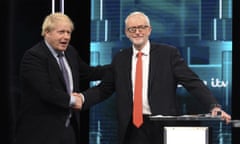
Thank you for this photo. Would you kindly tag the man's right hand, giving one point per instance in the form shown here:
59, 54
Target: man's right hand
78, 101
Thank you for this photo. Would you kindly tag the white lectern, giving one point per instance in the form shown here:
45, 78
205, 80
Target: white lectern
186, 135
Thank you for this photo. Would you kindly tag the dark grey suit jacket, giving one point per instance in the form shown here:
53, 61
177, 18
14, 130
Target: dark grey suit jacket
167, 69
44, 101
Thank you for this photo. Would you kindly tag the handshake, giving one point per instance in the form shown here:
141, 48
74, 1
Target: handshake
77, 100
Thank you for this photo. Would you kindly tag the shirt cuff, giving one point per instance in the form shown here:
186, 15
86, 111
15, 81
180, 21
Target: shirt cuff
83, 99
72, 101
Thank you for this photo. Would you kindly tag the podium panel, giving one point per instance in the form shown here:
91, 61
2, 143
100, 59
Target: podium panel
186, 135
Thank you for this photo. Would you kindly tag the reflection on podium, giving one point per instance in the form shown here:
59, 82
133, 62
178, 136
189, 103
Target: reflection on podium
187, 129
186, 135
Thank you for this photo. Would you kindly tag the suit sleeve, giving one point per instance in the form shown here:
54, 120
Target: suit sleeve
191, 81
101, 92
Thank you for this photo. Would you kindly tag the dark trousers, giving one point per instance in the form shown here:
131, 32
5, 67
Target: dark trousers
151, 132
68, 136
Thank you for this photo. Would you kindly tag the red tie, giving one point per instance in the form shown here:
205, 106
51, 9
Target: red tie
137, 103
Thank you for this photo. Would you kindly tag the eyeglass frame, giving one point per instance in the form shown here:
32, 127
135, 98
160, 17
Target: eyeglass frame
134, 28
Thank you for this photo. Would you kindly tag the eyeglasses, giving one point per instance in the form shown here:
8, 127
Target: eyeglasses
134, 28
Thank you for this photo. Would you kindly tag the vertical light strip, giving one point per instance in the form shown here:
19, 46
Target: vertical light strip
99, 132
220, 9
101, 10
230, 9
188, 56
200, 21
214, 29
62, 6
106, 30
53, 6
92, 9
224, 29
98, 31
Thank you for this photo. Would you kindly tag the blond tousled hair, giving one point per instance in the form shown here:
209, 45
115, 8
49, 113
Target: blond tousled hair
52, 19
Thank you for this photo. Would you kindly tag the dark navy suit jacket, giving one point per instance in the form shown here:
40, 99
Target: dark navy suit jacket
167, 69
44, 100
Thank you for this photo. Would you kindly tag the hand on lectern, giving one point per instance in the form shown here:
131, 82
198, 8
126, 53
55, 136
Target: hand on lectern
217, 111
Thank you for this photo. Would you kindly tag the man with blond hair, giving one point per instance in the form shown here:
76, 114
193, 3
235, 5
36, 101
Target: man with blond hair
50, 73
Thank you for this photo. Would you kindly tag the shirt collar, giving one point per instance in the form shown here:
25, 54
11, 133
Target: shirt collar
145, 50
52, 50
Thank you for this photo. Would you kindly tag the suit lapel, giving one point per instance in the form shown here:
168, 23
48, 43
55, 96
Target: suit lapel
152, 65
127, 71
53, 64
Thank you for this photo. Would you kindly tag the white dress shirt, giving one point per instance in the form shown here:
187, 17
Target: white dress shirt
145, 62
